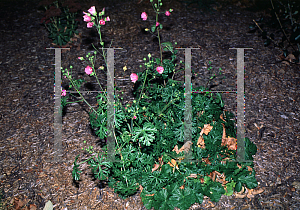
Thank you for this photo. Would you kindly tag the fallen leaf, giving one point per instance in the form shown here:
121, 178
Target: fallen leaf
240, 195
206, 129
212, 205
192, 176
257, 191
221, 117
156, 166
141, 188
290, 58
176, 149
173, 163
230, 142
206, 160
200, 142
32, 207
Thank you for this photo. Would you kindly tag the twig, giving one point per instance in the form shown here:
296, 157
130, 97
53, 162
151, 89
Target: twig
282, 27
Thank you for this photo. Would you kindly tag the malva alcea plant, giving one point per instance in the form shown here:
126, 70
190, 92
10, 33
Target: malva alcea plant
60, 20
149, 135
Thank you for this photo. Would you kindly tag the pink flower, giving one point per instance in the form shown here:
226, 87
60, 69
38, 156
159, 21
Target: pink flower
92, 10
134, 77
134, 117
80, 58
160, 69
86, 18
144, 16
157, 24
63, 93
101, 22
89, 24
88, 70
167, 13
107, 18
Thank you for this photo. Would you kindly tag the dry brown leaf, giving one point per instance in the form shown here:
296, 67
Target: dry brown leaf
155, 167
224, 160
141, 188
160, 161
211, 204
221, 117
181, 187
206, 129
230, 143
200, 142
224, 132
250, 195
192, 176
290, 57
173, 164
285, 63
176, 149
213, 174
240, 195
206, 160
18, 203
32, 207
257, 191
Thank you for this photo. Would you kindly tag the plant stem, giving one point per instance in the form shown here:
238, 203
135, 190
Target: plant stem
83, 97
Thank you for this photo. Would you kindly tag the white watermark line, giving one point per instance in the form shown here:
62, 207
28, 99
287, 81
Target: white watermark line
240, 131
220, 91
86, 91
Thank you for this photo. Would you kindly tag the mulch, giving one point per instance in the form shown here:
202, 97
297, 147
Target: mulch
29, 175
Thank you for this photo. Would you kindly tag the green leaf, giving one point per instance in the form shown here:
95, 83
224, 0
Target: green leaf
167, 46
75, 171
250, 149
230, 188
182, 199
238, 186
216, 191
97, 164
162, 200
249, 180
153, 28
145, 135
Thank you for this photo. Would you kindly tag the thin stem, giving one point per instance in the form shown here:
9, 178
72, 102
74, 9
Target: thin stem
82, 96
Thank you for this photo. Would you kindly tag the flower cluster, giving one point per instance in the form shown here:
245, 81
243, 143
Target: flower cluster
144, 16
159, 69
92, 15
